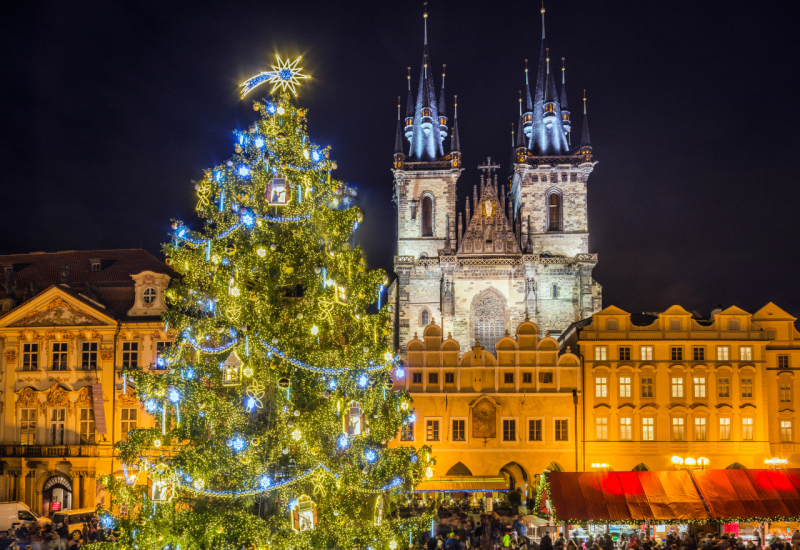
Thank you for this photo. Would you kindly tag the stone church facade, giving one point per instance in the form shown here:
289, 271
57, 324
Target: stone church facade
514, 252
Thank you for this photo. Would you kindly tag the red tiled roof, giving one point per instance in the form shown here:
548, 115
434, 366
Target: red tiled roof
113, 283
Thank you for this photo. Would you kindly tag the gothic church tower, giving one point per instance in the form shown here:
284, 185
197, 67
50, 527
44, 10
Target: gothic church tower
514, 254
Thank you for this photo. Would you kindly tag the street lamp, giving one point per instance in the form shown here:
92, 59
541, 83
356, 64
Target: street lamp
776, 462
689, 463
600, 466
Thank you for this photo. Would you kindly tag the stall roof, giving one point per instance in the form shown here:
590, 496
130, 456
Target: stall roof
463, 484
680, 496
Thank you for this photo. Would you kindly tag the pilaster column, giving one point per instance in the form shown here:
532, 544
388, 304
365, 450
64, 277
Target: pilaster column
22, 486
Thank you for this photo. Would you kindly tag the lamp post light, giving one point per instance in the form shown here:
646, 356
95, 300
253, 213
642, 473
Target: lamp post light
600, 466
689, 463
775, 463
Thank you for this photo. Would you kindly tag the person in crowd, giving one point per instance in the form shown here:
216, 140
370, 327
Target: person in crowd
546, 543
776, 543
507, 539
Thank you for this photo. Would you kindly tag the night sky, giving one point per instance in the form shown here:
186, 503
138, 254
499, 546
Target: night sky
109, 110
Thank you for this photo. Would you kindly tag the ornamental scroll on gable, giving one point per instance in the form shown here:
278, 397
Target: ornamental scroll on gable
57, 397
57, 313
26, 397
489, 231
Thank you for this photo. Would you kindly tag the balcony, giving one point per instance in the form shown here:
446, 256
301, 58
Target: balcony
48, 450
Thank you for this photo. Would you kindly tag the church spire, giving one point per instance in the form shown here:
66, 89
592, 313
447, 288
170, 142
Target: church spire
535, 131
565, 122
426, 143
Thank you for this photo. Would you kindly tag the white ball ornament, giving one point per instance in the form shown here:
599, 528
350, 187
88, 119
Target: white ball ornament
317, 270
366, 350
285, 451
290, 424
299, 315
274, 340
336, 512
273, 247
365, 470
297, 413
229, 163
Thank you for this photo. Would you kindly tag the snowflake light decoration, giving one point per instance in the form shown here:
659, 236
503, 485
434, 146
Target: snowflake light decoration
285, 76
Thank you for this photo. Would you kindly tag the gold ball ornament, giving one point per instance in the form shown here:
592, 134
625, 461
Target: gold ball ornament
361, 294
253, 296
273, 366
201, 406
219, 328
301, 112
237, 148
168, 260
244, 459
389, 384
336, 232
256, 107
256, 442
174, 225
219, 530
231, 248
280, 135
283, 383
288, 269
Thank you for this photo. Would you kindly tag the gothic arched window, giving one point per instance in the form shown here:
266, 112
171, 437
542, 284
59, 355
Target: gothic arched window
554, 212
427, 217
424, 318
488, 320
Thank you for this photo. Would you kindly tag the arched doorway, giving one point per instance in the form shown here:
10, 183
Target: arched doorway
736, 466
459, 470
641, 467
516, 474
554, 467
56, 495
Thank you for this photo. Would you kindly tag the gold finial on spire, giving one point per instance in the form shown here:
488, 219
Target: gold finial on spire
444, 66
548, 59
542, 6
563, 67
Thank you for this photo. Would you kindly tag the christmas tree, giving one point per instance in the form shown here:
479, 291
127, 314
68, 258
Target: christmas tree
274, 406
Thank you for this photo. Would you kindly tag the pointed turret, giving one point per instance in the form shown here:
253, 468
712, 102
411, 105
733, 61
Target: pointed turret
554, 137
426, 138
586, 144
409, 109
565, 121
534, 132
455, 142
398, 140
527, 116
442, 110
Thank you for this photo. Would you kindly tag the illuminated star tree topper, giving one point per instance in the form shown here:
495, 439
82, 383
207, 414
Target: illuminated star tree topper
284, 76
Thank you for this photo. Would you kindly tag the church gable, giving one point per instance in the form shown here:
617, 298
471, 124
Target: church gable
489, 231
54, 310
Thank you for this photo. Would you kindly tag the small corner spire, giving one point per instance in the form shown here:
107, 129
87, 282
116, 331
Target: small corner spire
547, 50
586, 143
398, 139
513, 141
455, 142
425, 19
520, 102
542, 20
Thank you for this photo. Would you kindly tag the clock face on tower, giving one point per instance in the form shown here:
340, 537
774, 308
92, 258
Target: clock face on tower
488, 209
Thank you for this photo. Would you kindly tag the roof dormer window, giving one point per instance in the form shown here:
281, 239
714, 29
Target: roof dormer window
149, 295
95, 264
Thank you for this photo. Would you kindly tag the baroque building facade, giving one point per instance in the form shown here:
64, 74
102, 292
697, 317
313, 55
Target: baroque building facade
658, 386
69, 321
514, 252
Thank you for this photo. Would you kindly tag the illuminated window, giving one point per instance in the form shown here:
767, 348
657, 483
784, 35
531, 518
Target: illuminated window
407, 432
60, 356
647, 386
747, 429
433, 430
646, 353
677, 386
676, 353
128, 422
601, 386
786, 431
724, 386
699, 429
785, 392
87, 428
747, 386
600, 353
58, 426
89, 355
625, 353
554, 212
30, 356
427, 217
678, 429
562, 431
27, 426
601, 429
699, 354
535, 430
509, 430
746, 353
458, 430
648, 429
625, 429
130, 354
625, 386
724, 429
723, 353
699, 387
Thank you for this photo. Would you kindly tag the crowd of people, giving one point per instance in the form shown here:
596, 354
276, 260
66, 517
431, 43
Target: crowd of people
46, 536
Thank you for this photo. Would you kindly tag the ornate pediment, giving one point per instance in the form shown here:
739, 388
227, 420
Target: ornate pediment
57, 313
489, 231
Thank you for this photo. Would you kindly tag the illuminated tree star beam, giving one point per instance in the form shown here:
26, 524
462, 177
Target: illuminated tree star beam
284, 76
